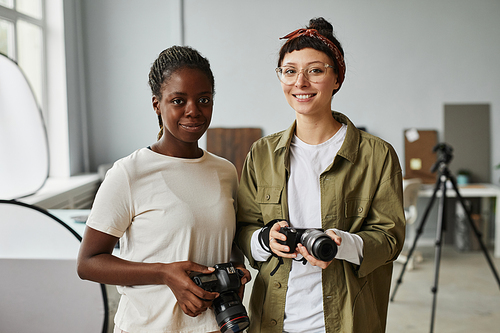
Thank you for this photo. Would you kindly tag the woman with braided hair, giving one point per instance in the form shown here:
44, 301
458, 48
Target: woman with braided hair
320, 173
171, 206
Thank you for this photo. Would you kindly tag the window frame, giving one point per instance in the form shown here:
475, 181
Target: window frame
55, 94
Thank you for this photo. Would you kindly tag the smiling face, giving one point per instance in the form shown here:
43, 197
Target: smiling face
304, 97
186, 110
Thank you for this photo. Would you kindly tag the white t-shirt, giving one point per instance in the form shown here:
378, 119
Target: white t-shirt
166, 209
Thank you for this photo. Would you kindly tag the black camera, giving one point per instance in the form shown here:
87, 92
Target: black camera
230, 313
316, 241
445, 155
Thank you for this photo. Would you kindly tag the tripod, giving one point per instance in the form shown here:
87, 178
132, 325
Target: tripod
443, 176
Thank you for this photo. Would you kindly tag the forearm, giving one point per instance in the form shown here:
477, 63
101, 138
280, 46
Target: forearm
109, 269
351, 248
258, 252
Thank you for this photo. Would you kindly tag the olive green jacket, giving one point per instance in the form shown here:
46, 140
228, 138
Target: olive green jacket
361, 192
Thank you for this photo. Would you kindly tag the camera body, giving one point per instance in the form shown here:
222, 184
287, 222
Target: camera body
224, 278
230, 313
445, 155
316, 241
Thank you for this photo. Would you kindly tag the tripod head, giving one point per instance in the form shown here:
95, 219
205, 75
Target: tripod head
445, 155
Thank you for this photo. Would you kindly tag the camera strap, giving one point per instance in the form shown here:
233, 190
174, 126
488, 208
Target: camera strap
264, 242
303, 260
264, 235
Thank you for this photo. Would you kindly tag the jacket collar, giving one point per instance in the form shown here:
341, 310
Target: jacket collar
350, 147
286, 137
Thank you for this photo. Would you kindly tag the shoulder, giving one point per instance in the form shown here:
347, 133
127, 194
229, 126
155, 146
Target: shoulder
220, 163
218, 160
138, 156
370, 142
378, 153
134, 164
365, 140
269, 142
373, 141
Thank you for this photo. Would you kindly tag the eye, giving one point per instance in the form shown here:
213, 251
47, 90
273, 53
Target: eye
289, 71
205, 100
315, 71
177, 101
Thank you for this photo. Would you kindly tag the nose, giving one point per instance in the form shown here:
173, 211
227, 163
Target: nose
301, 79
192, 109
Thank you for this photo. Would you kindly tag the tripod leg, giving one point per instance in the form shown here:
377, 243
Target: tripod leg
439, 242
419, 233
475, 230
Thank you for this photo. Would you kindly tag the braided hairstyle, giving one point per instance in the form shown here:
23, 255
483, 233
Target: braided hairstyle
325, 29
171, 60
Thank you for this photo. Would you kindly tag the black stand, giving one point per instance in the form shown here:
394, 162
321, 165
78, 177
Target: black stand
443, 176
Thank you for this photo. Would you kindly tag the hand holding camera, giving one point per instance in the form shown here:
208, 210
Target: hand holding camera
230, 313
192, 300
316, 246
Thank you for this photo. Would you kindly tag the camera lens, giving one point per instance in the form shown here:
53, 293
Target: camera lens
324, 249
230, 313
319, 244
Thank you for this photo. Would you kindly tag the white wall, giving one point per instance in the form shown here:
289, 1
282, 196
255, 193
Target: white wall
405, 60
121, 41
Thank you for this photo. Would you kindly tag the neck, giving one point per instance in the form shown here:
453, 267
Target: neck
189, 150
316, 130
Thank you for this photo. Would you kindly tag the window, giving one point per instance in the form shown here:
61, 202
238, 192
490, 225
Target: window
32, 33
22, 38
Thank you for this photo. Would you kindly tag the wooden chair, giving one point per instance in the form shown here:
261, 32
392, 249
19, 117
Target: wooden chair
410, 198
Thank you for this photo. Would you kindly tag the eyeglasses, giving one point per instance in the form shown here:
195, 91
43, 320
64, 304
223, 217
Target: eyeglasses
313, 73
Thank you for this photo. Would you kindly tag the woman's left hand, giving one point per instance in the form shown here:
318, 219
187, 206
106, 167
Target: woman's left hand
312, 260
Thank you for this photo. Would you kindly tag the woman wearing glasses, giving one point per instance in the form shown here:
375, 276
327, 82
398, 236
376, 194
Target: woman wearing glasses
322, 172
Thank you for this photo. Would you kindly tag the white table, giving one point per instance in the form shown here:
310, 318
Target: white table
68, 217
72, 218
39, 277
483, 191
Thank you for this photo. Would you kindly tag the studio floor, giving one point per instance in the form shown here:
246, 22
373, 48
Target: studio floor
468, 296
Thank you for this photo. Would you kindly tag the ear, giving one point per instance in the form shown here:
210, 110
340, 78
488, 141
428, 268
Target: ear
337, 84
156, 105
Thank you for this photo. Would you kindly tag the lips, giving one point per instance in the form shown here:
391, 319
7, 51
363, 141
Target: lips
304, 96
194, 127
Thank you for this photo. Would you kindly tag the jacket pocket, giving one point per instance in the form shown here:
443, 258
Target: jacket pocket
355, 212
356, 208
365, 311
269, 199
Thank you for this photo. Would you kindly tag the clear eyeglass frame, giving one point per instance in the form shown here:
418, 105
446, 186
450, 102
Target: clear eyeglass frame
314, 73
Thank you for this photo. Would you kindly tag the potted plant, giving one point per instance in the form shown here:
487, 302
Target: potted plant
463, 177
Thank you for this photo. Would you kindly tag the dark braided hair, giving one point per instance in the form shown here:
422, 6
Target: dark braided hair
171, 60
325, 29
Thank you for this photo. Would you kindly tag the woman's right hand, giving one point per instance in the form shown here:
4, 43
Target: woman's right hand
279, 249
97, 263
192, 299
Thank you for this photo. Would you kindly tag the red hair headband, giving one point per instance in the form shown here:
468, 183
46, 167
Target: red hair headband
314, 33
